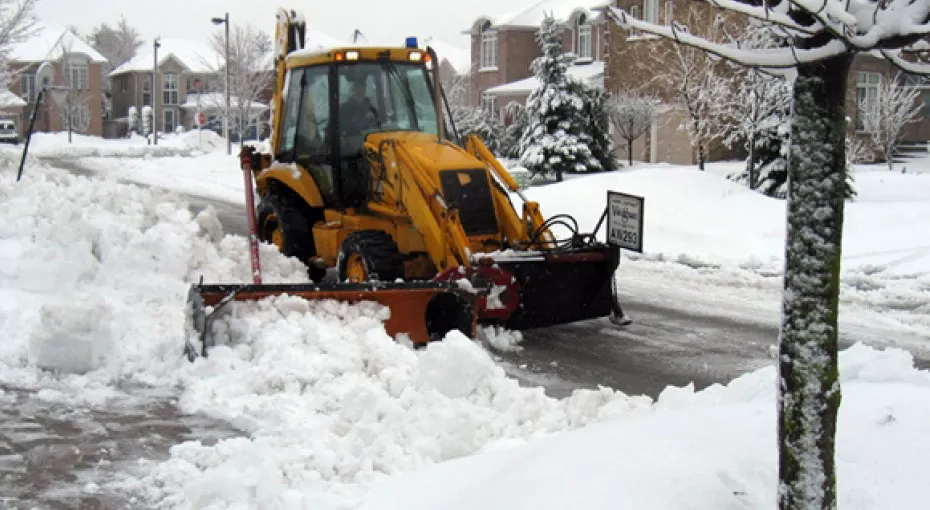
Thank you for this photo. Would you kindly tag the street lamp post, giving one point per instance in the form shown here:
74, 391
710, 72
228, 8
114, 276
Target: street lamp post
155, 46
225, 21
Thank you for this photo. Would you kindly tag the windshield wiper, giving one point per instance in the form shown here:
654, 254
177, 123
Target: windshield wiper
408, 96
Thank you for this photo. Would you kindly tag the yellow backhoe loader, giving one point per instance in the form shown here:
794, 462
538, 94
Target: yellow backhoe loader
364, 179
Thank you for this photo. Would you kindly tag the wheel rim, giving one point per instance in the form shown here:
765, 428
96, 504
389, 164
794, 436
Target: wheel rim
355, 268
276, 235
277, 238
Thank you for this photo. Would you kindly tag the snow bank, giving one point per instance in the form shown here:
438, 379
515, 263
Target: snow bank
187, 143
94, 275
702, 450
333, 405
93, 279
701, 219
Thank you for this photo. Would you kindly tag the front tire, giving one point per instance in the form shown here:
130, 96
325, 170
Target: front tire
369, 255
285, 220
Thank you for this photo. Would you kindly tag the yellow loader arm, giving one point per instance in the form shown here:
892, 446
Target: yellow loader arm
419, 197
514, 227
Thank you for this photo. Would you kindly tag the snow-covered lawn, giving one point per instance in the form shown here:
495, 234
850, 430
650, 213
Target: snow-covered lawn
93, 276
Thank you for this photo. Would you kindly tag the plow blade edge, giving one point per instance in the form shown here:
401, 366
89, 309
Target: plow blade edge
559, 288
424, 311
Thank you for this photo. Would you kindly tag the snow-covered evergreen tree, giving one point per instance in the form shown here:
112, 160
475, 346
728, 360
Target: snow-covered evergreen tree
556, 139
595, 110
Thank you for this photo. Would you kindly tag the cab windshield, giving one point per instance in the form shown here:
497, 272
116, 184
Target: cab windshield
383, 96
331, 108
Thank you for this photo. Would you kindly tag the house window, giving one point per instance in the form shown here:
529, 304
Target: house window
651, 11
488, 46
584, 37
170, 93
27, 87
146, 92
489, 103
76, 74
867, 100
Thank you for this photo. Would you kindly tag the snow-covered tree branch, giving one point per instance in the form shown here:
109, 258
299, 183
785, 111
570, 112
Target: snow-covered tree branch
632, 115
16, 24
73, 96
758, 111
117, 44
897, 106
694, 82
251, 74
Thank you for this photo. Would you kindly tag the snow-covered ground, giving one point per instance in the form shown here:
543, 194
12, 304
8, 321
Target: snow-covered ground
93, 275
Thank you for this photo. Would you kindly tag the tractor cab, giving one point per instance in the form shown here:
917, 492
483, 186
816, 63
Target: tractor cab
334, 100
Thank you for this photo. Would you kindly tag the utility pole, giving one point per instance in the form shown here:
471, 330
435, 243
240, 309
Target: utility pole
155, 46
225, 21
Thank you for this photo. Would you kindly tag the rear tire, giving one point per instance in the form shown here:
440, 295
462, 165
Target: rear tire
287, 221
376, 251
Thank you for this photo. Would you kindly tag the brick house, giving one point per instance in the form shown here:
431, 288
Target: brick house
73, 63
185, 67
665, 142
503, 47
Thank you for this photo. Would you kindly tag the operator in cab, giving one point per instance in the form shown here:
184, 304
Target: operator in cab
357, 114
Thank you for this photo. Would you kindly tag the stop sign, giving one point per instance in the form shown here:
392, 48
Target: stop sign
201, 119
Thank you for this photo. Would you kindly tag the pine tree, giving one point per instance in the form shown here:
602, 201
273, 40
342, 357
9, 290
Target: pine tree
598, 123
556, 140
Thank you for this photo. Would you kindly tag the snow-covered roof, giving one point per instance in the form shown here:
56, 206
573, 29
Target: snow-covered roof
10, 100
213, 100
591, 73
48, 42
533, 15
195, 56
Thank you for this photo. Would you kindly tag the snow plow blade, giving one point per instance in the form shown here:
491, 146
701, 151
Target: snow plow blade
424, 311
558, 288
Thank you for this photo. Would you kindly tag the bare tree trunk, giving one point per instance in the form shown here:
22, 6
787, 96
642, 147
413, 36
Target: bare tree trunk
809, 391
752, 161
629, 151
702, 156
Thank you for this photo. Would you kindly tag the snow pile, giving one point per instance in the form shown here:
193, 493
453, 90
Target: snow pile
704, 450
501, 339
189, 143
333, 405
94, 276
93, 280
701, 219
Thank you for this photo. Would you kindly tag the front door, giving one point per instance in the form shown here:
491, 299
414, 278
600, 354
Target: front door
171, 120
